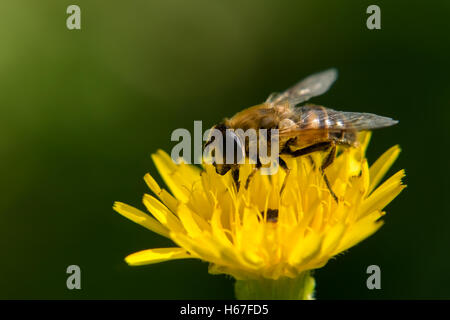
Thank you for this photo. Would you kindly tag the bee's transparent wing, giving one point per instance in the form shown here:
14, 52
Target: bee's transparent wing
315, 118
358, 121
307, 88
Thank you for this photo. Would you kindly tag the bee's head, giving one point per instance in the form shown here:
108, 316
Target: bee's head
229, 142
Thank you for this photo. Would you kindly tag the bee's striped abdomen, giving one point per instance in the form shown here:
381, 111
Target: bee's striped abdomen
313, 117
332, 125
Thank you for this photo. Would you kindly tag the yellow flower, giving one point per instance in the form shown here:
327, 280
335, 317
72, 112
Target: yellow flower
258, 233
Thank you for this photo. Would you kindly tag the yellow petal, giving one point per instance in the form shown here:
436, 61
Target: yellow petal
141, 218
382, 165
217, 228
364, 139
162, 194
162, 214
360, 231
384, 194
188, 221
179, 178
306, 249
156, 255
332, 239
202, 248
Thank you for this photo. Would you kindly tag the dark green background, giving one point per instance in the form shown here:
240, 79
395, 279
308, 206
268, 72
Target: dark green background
82, 110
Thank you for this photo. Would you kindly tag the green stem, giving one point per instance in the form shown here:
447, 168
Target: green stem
300, 288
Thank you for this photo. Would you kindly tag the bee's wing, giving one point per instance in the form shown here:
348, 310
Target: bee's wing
307, 88
359, 121
315, 118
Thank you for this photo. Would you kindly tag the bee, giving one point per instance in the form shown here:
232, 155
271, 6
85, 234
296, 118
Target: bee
302, 129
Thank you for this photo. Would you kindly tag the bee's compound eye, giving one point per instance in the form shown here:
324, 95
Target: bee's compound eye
286, 123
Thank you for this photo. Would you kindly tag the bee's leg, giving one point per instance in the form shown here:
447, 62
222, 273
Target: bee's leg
288, 171
235, 175
250, 176
322, 146
330, 157
301, 152
326, 162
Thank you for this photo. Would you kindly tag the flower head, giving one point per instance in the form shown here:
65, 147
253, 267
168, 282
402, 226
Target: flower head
258, 232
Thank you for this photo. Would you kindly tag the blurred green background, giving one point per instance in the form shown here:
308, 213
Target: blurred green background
82, 110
